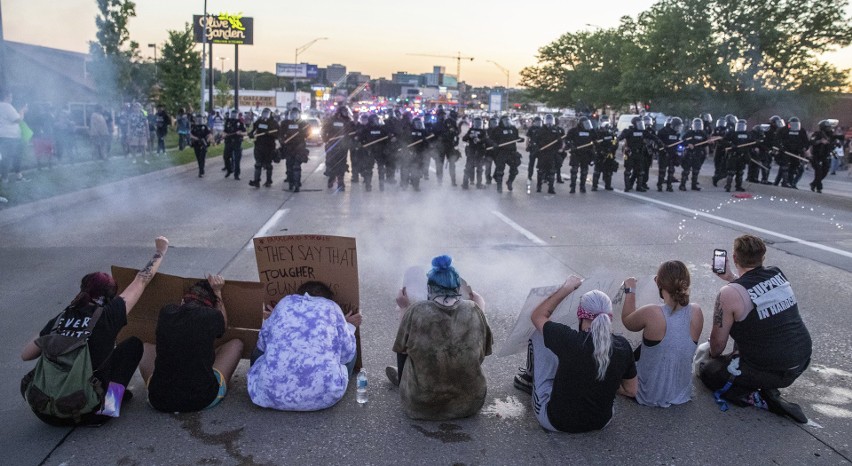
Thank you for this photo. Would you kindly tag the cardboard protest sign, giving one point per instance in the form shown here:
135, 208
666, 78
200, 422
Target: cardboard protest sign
243, 303
284, 263
566, 311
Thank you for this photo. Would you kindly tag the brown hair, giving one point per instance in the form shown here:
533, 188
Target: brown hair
749, 251
673, 276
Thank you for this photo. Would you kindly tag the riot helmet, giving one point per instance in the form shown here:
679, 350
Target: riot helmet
505, 122
417, 123
585, 123
635, 121
721, 123
741, 126
649, 122
363, 119
676, 124
198, 119
828, 126
492, 122
697, 124
549, 120
795, 124
454, 114
477, 123
668, 122
294, 114
233, 115
373, 119
776, 121
731, 120
639, 124
536, 122
604, 118
265, 113
707, 118
344, 112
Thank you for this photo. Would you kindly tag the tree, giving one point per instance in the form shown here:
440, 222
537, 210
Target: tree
180, 67
223, 92
737, 55
113, 53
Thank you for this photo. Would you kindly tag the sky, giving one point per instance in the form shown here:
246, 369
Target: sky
374, 37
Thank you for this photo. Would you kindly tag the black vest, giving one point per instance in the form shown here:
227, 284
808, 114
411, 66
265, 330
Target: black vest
772, 337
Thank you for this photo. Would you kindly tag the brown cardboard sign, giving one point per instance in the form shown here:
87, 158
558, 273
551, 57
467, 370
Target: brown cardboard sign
243, 302
284, 263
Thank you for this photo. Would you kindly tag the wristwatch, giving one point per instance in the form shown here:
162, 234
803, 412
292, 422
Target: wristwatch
627, 290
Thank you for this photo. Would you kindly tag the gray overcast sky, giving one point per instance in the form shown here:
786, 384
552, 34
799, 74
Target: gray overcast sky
371, 36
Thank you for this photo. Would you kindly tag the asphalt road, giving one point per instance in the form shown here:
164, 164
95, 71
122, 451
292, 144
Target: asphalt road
503, 244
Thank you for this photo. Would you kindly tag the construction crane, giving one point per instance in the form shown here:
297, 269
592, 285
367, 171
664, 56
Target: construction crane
458, 58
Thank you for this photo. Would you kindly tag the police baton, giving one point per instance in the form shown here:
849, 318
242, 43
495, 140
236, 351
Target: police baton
792, 154
421, 140
506, 143
741, 146
708, 141
374, 142
758, 164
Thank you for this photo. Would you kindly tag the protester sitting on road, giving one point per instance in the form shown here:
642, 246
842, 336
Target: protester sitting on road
111, 362
670, 334
576, 374
440, 346
189, 372
306, 351
772, 345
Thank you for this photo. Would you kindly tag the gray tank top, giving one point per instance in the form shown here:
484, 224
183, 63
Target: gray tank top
665, 369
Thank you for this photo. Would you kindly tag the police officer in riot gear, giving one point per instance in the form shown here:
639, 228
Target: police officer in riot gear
823, 141
396, 128
412, 162
504, 145
548, 141
199, 136
720, 155
337, 133
488, 159
581, 143
605, 163
668, 156
264, 131
293, 136
372, 139
794, 142
477, 141
759, 155
532, 148
707, 121
695, 144
636, 139
741, 144
234, 132
446, 133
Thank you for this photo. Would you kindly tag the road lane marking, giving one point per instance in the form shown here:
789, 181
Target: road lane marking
698, 213
267, 226
528, 234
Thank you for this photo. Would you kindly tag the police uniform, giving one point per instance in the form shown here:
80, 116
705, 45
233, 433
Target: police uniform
477, 142
336, 134
264, 131
293, 136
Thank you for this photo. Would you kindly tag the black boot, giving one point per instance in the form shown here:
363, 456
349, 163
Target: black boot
778, 405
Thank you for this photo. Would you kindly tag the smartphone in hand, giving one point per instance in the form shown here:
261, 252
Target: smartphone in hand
720, 261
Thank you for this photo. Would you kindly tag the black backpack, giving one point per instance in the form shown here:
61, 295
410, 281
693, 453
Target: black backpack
62, 385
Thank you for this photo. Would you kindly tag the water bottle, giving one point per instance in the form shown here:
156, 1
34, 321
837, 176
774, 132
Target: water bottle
361, 390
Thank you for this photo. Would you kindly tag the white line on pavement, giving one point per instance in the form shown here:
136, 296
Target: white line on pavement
529, 235
267, 226
320, 167
821, 247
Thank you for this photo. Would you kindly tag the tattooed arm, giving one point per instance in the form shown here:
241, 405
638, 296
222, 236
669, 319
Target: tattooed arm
541, 314
723, 318
133, 292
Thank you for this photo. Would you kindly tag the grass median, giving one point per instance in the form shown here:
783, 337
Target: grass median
80, 172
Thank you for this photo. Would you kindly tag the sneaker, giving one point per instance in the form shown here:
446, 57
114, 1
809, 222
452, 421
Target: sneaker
778, 405
393, 375
523, 382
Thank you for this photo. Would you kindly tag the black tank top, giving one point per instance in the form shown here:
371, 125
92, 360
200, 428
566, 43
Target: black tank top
772, 337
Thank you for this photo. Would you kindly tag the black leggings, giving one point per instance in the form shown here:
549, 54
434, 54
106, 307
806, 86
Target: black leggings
715, 374
400, 363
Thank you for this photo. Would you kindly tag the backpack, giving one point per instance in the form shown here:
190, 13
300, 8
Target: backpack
62, 385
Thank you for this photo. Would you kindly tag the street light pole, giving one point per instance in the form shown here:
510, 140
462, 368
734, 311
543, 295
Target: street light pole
203, 55
506, 72
156, 65
296, 62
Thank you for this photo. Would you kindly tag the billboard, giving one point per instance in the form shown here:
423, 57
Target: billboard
224, 28
495, 102
302, 70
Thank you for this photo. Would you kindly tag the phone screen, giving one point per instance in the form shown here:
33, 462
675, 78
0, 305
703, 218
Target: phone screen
720, 260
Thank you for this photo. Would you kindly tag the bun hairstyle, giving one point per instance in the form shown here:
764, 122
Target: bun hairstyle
443, 273
673, 277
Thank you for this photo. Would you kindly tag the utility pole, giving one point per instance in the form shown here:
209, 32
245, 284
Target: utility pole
156, 65
203, 55
3, 67
296, 63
